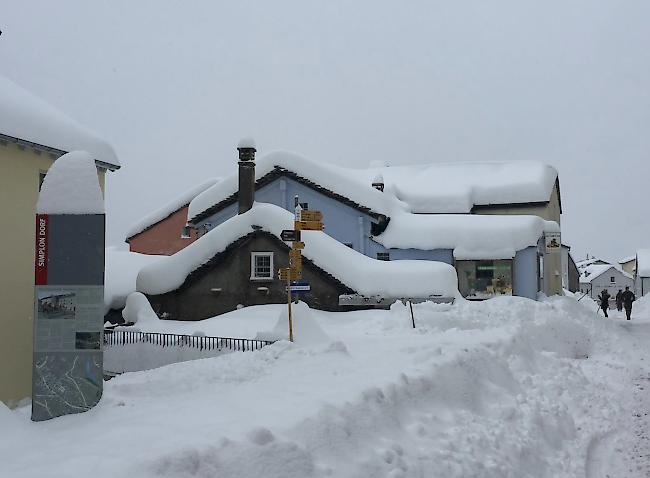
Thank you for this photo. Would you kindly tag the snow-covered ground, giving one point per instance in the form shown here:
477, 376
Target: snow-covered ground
503, 388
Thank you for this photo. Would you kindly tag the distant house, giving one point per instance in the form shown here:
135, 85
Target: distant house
32, 136
628, 264
359, 206
597, 277
165, 231
236, 264
642, 273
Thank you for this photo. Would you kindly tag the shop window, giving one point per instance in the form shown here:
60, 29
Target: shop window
484, 279
261, 266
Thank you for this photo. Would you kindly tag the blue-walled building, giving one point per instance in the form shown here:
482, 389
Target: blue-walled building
496, 243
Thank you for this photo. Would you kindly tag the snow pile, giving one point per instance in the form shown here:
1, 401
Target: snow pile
174, 205
641, 307
121, 271
506, 387
470, 236
138, 310
458, 186
71, 186
26, 117
407, 278
306, 330
643, 262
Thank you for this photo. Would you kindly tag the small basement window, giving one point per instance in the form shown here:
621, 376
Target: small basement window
185, 232
383, 256
261, 266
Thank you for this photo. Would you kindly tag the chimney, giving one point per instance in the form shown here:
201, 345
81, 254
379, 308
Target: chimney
246, 148
378, 182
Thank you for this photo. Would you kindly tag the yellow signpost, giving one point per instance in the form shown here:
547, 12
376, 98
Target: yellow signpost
309, 221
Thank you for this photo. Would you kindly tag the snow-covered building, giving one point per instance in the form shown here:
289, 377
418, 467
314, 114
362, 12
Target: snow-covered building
442, 204
33, 135
642, 272
595, 278
628, 264
165, 231
235, 264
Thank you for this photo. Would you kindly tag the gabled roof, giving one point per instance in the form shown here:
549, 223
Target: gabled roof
469, 236
591, 272
627, 259
170, 208
367, 276
428, 188
28, 120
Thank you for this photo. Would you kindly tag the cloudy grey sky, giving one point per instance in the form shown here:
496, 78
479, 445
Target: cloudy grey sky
173, 85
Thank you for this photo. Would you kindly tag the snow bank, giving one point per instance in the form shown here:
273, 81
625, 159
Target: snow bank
172, 206
470, 236
408, 278
138, 310
122, 269
428, 188
71, 186
643, 262
24, 116
306, 330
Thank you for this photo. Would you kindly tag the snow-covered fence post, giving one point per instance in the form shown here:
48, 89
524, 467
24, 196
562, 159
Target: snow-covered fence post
67, 374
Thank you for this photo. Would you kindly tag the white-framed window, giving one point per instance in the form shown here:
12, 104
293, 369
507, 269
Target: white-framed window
261, 266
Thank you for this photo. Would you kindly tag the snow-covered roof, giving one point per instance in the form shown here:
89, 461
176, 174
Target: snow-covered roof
71, 186
470, 236
122, 269
627, 259
26, 117
367, 276
331, 177
172, 206
427, 188
593, 271
587, 262
643, 262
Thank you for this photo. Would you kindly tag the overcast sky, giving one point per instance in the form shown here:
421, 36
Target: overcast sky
174, 85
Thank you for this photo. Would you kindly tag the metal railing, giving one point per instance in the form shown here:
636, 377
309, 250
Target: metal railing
200, 342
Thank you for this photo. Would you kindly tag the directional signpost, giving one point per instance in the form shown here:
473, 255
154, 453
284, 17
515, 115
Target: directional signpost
305, 220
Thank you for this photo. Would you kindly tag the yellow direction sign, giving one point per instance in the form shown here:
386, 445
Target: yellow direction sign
297, 245
309, 226
311, 216
286, 274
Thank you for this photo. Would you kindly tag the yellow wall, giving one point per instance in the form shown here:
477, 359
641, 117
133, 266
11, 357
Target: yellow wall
629, 267
19, 175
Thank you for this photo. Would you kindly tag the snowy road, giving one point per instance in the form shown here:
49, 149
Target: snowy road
624, 451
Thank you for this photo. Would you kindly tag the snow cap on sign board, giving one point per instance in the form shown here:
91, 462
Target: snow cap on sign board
71, 186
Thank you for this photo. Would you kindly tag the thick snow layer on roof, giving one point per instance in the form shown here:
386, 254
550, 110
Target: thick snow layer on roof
27, 117
71, 186
365, 275
643, 262
591, 272
334, 178
427, 188
457, 187
172, 206
470, 236
122, 269
626, 259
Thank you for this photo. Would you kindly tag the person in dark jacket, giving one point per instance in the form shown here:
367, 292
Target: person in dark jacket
604, 301
619, 300
628, 298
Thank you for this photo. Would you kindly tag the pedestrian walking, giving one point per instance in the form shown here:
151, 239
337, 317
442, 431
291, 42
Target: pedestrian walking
619, 300
604, 301
628, 297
